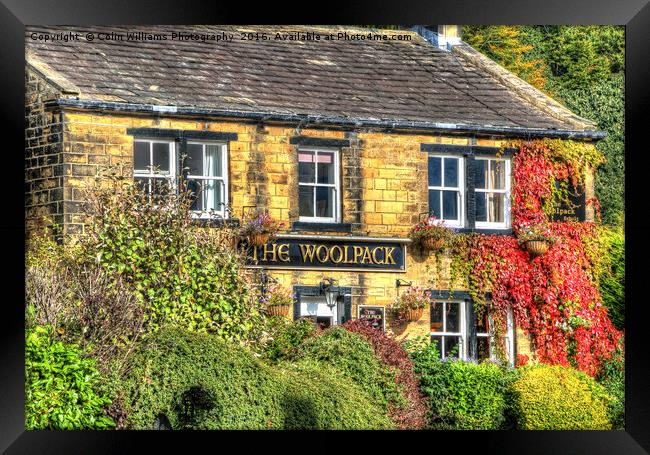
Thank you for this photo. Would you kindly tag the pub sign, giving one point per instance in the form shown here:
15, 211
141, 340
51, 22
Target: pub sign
329, 253
375, 314
573, 208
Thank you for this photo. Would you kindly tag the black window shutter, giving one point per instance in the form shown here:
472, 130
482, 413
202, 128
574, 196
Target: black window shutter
470, 317
470, 170
296, 307
347, 304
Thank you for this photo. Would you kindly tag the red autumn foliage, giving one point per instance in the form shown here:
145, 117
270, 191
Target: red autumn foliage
552, 296
392, 354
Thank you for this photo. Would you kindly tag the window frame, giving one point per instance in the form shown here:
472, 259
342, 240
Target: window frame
173, 172
461, 189
336, 218
506, 192
463, 335
203, 214
509, 337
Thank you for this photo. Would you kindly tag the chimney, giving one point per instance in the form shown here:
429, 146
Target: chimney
441, 36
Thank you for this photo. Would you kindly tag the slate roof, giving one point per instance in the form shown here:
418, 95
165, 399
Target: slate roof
397, 81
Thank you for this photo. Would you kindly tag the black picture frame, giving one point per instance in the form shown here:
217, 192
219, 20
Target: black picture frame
635, 14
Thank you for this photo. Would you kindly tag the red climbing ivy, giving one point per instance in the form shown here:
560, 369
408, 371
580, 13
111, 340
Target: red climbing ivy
553, 296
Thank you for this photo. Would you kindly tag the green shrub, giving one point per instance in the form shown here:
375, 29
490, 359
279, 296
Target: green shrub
612, 278
61, 386
612, 377
462, 395
318, 396
351, 354
199, 381
184, 275
558, 398
285, 336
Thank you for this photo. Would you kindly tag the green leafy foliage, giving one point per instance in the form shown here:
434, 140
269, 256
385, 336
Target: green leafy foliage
61, 386
198, 381
548, 397
182, 274
351, 354
612, 377
612, 275
462, 395
285, 336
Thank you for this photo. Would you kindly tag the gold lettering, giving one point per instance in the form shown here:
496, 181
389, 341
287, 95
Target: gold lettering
388, 255
307, 252
358, 252
283, 252
255, 253
340, 256
347, 260
272, 252
374, 256
366, 256
319, 256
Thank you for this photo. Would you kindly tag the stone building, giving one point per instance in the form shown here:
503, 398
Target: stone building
348, 139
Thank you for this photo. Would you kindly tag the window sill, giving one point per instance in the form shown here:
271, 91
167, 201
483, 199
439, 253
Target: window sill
321, 227
488, 231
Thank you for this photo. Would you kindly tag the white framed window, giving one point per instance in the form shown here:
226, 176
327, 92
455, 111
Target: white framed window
448, 328
485, 338
319, 185
207, 178
154, 164
446, 175
492, 192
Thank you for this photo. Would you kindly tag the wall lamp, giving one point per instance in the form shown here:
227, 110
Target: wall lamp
400, 282
328, 287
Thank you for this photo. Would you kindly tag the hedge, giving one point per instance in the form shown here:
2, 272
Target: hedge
198, 381
559, 398
351, 354
462, 395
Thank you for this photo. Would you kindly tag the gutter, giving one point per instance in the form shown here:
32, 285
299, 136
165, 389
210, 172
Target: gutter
528, 133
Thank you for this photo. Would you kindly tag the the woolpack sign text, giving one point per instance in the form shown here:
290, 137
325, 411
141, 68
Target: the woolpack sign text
326, 253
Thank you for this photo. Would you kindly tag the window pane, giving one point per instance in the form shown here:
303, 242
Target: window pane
194, 160
435, 171
482, 348
452, 347
452, 317
306, 201
480, 174
481, 210
324, 202
306, 170
482, 325
437, 342
160, 186
496, 207
141, 156
451, 172
450, 205
436, 317
213, 161
434, 203
498, 175
142, 183
325, 167
207, 194
161, 158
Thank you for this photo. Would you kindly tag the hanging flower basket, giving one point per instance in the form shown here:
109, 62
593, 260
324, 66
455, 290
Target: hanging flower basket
259, 239
537, 247
432, 244
279, 310
412, 314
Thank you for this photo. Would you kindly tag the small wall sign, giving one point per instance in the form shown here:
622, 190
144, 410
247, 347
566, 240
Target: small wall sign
327, 253
376, 314
574, 208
